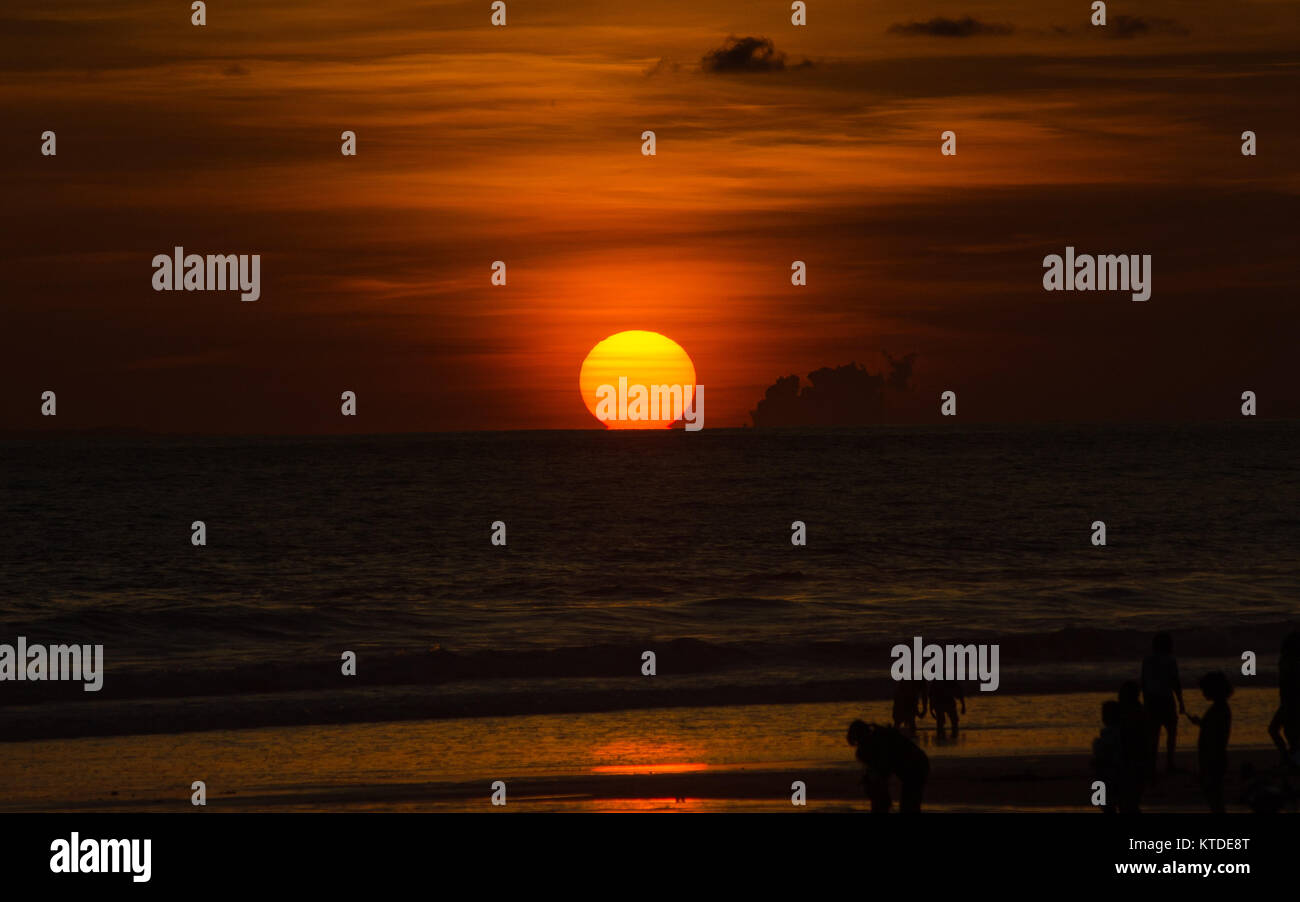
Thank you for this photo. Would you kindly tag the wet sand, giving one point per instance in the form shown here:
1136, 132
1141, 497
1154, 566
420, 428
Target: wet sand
961, 784
1015, 753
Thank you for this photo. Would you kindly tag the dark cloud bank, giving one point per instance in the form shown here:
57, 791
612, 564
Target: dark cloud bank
939, 27
848, 395
1134, 26
747, 55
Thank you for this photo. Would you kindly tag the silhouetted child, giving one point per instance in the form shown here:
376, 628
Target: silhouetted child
1134, 736
1108, 754
1285, 725
943, 704
1212, 747
885, 751
907, 706
1160, 689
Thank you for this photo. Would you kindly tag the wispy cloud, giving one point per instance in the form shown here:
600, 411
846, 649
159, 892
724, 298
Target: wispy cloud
1134, 26
939, 27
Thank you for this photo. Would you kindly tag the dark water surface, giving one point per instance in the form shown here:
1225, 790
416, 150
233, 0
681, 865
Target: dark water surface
619, 543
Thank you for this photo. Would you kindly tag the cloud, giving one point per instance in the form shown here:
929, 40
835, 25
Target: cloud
746, 55
848, 395
663, 64
1132, 26
939, 27
1122, 27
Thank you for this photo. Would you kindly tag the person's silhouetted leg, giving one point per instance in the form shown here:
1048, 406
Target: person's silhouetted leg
1153, 755
1275, 733
913, 786
1171, 729
880, 801
910, 800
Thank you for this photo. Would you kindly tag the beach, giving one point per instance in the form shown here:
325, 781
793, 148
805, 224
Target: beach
1014, 753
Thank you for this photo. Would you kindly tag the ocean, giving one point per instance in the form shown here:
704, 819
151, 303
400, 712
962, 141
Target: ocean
621, 543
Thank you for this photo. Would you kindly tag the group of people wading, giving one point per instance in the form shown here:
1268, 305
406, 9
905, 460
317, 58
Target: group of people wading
1125, 754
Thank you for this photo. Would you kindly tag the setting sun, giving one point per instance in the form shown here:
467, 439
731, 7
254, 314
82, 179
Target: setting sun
628, 379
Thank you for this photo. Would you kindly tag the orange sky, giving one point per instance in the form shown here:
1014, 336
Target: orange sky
523, 144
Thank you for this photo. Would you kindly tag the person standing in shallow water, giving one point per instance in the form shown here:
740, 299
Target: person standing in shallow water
1161, 688
1284, 729
1212, 746
1134, 737
908, 704
1108, 755
943, 697
885, 751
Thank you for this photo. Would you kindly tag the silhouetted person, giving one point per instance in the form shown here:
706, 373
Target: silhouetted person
1134, 735
1161, 689
907, 705
1108, 754
885, 751
1212, 746
1284, 728
944, 696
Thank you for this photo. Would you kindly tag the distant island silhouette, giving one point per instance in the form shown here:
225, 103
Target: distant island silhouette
848, 395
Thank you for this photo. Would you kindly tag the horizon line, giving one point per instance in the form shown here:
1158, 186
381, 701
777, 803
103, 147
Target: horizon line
138, 432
